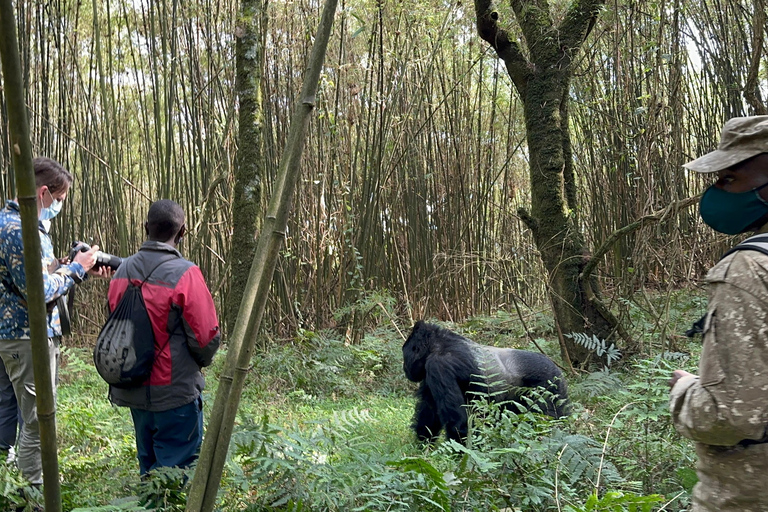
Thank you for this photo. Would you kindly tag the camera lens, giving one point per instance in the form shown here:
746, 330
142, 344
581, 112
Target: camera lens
109, 260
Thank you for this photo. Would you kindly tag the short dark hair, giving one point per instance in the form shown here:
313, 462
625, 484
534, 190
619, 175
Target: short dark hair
164, 220
50, 173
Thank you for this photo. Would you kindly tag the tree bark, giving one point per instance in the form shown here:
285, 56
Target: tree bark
542, 80
249, 162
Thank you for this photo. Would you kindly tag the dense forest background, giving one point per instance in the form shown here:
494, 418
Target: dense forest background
415, 183
415, 163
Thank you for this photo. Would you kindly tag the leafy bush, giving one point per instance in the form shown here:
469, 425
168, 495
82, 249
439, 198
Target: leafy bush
15, 491
528, 461
643, 442
337, 437
319, 364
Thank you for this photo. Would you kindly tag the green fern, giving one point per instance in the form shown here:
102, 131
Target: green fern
615, 501
596, 345
599, 383
347, 421
582, 459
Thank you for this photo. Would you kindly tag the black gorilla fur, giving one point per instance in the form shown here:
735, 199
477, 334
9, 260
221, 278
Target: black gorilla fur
452, 370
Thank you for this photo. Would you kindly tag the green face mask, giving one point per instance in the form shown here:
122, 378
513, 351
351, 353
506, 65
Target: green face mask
732, 213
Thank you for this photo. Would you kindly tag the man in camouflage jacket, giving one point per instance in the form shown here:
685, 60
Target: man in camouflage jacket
725, 408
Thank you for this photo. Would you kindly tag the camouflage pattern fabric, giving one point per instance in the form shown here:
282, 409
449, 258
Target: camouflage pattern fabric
725, 408
14, 319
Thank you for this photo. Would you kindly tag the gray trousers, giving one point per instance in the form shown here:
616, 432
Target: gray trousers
17, 356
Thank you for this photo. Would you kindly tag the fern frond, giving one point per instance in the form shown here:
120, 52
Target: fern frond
596, 345
600, 383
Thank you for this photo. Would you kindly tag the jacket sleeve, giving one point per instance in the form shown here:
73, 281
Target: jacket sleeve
727, 402
55, 284
198, 316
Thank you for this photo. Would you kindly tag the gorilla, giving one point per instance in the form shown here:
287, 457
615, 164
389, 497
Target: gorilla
454, 370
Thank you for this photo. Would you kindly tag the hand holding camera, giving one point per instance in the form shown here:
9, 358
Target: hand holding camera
94, 261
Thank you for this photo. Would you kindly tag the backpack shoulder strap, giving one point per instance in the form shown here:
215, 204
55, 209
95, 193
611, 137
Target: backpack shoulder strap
165, 260
754, 243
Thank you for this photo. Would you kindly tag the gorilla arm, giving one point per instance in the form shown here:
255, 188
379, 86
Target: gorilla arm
444, 372
426, 422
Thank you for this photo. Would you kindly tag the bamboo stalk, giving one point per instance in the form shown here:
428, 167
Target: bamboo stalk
216, 444
18, 128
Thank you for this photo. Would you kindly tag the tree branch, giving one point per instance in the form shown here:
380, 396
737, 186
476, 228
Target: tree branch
577, 24
629, 228
518, 67
535, 20
529, 221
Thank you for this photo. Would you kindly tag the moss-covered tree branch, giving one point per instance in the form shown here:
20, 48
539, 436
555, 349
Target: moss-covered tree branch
508, 51
577, 24
537, 26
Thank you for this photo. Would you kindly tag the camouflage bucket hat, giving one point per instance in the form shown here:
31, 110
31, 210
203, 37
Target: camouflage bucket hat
741, 139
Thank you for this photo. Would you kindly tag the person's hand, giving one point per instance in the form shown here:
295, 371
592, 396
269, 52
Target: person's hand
103, 272
676, 376
88, 258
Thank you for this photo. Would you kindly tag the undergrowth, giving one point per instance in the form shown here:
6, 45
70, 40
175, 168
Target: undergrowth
324, 425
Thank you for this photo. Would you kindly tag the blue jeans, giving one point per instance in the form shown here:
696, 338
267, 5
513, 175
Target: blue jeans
9, 411
169, 438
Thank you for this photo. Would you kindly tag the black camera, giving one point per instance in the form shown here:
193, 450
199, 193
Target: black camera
102, 258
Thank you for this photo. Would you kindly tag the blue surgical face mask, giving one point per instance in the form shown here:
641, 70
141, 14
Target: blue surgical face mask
51, 211
732, 213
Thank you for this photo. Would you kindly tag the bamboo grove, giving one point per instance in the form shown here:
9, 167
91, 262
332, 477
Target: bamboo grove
415, 161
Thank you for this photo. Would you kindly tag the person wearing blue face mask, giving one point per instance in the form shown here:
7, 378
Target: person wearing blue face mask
52, 186
724, 408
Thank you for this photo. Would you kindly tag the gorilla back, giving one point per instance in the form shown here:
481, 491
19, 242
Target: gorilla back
453, 370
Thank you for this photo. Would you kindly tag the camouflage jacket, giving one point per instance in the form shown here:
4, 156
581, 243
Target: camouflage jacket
14, 318
725, 408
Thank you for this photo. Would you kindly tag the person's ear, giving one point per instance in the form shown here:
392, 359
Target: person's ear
180, 235
146, 229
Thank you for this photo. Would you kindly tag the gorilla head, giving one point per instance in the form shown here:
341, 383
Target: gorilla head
415, 352
453, 369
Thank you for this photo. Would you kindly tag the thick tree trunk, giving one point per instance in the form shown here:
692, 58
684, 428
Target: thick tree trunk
552, 219
249, 162
542, 80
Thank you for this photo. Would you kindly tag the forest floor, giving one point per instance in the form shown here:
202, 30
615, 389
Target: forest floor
325, 425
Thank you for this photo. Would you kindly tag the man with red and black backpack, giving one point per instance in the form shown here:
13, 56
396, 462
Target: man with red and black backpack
167, 408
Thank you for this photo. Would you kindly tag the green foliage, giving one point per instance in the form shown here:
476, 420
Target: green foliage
511, 460
374, 305
591, 342
120, 505
642, 443
164, 489
330, 467
15, 491
331, 432
535, 456
318, 365
597, 384
618, 502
